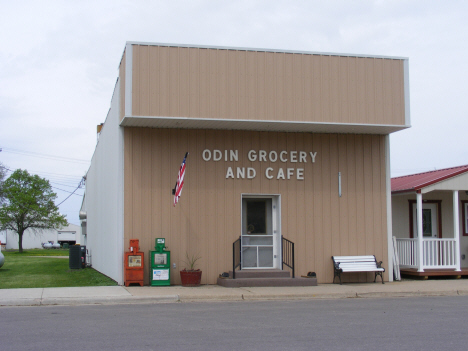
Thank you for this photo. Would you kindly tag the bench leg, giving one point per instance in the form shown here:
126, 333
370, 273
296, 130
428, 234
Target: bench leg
381, 276
337, 274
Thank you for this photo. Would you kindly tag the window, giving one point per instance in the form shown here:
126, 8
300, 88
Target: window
256, 217
465, 217
427, 221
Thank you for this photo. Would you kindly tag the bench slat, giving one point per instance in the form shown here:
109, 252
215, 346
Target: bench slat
352, 261
357, 266
365, 269
357, 263
338, 258
366, 263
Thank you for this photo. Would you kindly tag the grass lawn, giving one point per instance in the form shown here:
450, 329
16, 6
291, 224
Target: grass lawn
38, 252
31, 269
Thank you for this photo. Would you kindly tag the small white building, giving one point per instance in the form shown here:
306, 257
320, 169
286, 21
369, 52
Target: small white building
430, 222
70, 234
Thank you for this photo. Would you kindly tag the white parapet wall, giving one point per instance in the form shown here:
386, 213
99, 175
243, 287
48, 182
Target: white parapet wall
104, 198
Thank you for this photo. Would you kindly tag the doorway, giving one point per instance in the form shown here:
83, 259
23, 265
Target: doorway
430, 220
260, 237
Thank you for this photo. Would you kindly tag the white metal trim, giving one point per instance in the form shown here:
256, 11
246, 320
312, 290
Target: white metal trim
388, 191
275, 200
261, 125
128, 80
121, 206
265, 50
407, 92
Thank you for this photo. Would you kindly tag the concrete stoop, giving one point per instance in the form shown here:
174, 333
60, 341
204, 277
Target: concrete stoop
264, 278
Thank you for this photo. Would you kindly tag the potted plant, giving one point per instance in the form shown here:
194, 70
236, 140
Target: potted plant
189, 275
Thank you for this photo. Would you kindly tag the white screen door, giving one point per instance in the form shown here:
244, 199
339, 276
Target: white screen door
259, 237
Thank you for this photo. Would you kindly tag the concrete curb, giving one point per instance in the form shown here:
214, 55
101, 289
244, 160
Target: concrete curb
406, 294
119, 295
109, 300
20, 302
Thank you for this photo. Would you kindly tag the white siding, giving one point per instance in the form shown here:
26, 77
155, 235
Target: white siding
33, 239
400, 215
459, 182
104, 198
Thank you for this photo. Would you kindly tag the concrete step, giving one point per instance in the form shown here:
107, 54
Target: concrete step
265, 282
261, 273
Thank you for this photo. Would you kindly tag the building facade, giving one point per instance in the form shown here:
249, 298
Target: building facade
281, 144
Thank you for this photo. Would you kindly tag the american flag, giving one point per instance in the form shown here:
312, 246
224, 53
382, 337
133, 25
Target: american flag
180, 181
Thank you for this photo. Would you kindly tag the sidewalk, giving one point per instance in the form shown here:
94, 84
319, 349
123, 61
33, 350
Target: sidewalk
108, 295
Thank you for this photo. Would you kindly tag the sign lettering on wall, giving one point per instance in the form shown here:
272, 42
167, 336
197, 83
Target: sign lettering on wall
299, 157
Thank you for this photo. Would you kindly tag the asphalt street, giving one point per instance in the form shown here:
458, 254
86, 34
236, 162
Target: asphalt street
416, 323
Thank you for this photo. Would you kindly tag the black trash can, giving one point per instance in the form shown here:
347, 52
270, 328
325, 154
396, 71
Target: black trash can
74, 257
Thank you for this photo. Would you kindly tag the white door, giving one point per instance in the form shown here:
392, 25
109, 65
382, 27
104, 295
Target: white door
430, 224
260, 237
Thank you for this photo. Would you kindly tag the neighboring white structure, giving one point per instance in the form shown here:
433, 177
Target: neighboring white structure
3, 239
102, 211
430, 220
34, 239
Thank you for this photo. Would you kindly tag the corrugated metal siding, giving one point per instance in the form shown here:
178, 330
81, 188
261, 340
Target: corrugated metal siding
249, 85
122, 86
208, 218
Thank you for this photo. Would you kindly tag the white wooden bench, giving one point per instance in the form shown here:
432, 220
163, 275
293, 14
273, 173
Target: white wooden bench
345, 264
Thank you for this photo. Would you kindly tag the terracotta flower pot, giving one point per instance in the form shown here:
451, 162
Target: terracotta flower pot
190, 278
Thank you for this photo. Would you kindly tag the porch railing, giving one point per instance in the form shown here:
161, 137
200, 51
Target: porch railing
236, 256
437, 253
407, 252
287, 248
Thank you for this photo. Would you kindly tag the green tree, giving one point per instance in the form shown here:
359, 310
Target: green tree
3, 171
29, 203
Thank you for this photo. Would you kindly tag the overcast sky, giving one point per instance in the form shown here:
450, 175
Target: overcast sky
59, 60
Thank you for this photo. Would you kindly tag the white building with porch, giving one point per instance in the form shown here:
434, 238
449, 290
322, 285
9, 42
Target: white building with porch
430, 222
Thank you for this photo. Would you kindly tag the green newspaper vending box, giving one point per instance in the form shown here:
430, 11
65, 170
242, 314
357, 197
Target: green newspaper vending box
160, 264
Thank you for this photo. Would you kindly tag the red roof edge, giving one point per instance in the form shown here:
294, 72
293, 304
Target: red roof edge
442, 178
415, 188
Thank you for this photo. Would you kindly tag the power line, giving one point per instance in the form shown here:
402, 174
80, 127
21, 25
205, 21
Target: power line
66, 191
79, 186
69, 186
45, 156
50, 176
71, 193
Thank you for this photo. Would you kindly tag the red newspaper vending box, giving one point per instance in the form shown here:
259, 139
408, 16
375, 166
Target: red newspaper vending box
134, 264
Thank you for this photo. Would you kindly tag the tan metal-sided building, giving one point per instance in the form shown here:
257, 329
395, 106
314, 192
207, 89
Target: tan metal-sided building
281, 144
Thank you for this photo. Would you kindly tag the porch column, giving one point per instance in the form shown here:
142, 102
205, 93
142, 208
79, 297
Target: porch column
420, 231
456, 229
